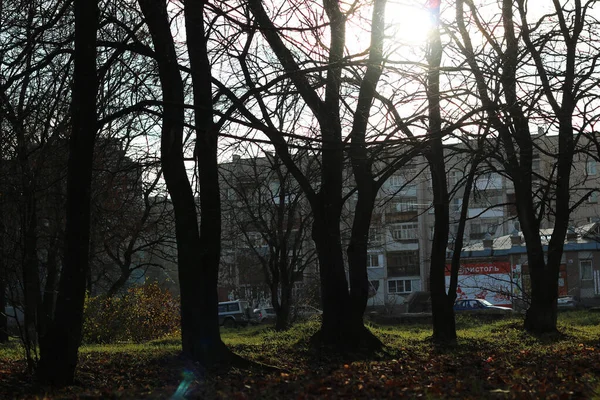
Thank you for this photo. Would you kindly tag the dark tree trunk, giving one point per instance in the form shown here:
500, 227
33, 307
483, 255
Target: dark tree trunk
120, 282
31, 274
3, 319
282, 308
51, 288
59, 347
362, 170
3, 255
458, 243
199, 319
338, 329
444, 327
542, 315
357, 255
201, 281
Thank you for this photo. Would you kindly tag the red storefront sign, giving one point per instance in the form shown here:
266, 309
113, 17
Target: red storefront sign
482, 268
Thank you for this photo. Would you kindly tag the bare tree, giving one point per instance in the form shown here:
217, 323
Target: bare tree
35, 79
340, 326
198, 248
270, 218
524, 49
59, 347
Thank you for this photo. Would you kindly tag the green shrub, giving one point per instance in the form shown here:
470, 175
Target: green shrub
143, 313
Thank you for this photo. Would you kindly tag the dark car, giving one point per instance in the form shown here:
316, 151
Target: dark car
568, 303
480, 306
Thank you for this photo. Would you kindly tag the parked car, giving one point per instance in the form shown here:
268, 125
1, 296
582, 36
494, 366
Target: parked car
480, 306
264, 315
234, 313
568, 303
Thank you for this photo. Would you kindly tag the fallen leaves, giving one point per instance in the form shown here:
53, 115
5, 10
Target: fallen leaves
499, 368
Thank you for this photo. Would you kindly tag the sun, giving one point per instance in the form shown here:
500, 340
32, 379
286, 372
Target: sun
408, 21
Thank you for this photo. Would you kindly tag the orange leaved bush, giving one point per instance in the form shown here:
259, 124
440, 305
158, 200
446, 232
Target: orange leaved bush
143, 313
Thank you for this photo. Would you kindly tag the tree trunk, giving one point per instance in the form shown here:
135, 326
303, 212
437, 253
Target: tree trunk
541, 316
59, 348
362, 169
357, 256
207, 344
3, 319
444, 327
3, 257
197, 259
283, 307
119, 283
339, 329
31, 275
51, 288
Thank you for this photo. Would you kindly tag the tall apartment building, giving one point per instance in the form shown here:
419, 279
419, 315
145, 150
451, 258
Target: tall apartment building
402, 223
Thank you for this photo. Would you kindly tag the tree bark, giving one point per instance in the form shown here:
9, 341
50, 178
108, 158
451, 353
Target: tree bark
357, 254
338, 329
59, 348
196, 262
444, 327
3, 319
201, 282
362, 169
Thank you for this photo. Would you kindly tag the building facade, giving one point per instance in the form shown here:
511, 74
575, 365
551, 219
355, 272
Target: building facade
402, 223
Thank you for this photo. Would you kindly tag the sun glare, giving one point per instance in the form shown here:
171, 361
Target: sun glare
408, 22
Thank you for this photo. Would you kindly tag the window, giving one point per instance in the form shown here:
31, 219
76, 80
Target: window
409, 170
487, 198
454, 178
396, 180
489, 181
591, 167
535, 164
593, 197
372, 260
482, 227
400, 286
403, 263
586, 269
407, 231
406, 205
453, 230
230, 194
455, 205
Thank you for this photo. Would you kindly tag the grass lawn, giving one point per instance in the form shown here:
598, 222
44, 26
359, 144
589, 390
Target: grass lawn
491, 360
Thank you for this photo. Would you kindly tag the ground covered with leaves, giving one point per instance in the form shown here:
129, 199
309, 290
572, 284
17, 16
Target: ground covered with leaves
491, 360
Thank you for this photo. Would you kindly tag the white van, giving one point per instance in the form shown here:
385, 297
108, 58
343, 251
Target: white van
234, 313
